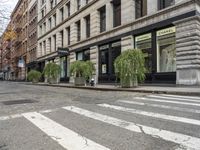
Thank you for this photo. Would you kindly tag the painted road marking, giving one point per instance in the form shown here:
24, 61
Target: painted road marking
64, 136
152, 114
166, 101
3, 118
161, 106
187, 97
174, 98
187, 141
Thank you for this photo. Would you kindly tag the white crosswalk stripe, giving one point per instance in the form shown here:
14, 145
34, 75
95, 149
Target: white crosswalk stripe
188, 142
151, 114
179, 96
167, 101
174, 98
161, 106
64, 136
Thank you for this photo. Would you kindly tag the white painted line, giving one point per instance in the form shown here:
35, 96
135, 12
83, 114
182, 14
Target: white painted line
152, 114
174, 98
161, 106
187, 97
64, 136
187, 141
3, 118
167, 101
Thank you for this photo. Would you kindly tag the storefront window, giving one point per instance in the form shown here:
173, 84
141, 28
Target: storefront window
63, 65
104, 57
166, 50
108, 54
144, 42
83, 55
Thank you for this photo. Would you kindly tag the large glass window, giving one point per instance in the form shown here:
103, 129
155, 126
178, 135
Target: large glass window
83, 55
166, 50
104, 57
63, 66
165, 3
117, 13
140, 8
102, 12
144, 42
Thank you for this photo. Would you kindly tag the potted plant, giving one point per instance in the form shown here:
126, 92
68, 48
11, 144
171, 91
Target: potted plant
34, 76
82, 71
130, 67
52, 72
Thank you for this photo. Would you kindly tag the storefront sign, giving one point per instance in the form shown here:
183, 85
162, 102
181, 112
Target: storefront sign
63, 51
116, 44
21, 63
143, 37
104, 47
104, 68
166, 31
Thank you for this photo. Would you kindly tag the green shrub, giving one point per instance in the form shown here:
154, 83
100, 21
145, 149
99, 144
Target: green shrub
51, 71
130, 67
34, 76
82, 69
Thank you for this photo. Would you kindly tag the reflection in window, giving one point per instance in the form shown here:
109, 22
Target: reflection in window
144, 42
166, 50
83, 55
140, 8
165, 3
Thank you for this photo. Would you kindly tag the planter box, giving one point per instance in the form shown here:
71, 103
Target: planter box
79, 81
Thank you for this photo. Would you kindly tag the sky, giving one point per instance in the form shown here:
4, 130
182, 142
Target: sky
6, 8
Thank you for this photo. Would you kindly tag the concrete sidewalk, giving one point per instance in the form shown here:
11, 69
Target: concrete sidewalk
165, 89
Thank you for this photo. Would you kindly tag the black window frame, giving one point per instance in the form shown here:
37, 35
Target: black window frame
88, 24
139, 8
102, 16
116, 13
162, 4
78, 25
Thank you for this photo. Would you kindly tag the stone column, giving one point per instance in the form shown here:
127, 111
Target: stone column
127, 11
188, 51
152, 6
83, 29
127, 43
48, 46
94, 58
95, 22
58, 40
73, 33
109, 16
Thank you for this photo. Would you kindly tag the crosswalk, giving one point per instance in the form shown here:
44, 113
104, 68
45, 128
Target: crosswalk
126, 114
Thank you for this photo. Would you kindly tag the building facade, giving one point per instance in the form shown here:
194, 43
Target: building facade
32, 35
166, 30
19, 19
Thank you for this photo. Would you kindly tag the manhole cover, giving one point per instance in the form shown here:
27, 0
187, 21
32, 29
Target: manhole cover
14, 102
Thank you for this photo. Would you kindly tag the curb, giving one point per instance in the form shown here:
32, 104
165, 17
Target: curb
120, 89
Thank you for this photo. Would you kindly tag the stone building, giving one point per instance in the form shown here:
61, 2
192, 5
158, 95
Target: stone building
32, 35
19, 20
168, 31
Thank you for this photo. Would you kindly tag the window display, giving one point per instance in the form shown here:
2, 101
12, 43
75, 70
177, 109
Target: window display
166, 50
144, 42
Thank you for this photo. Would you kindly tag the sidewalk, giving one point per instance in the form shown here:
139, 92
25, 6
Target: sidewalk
164, 89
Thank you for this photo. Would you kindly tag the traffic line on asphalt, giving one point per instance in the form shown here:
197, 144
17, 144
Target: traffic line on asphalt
187, 141
179, 96
64, 136
173, 98
3, 118
160, 106
166, 101
152, 114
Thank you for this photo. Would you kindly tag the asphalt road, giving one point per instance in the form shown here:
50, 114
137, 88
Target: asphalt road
52, 118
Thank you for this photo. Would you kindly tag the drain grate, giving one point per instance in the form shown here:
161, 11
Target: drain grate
15, 102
